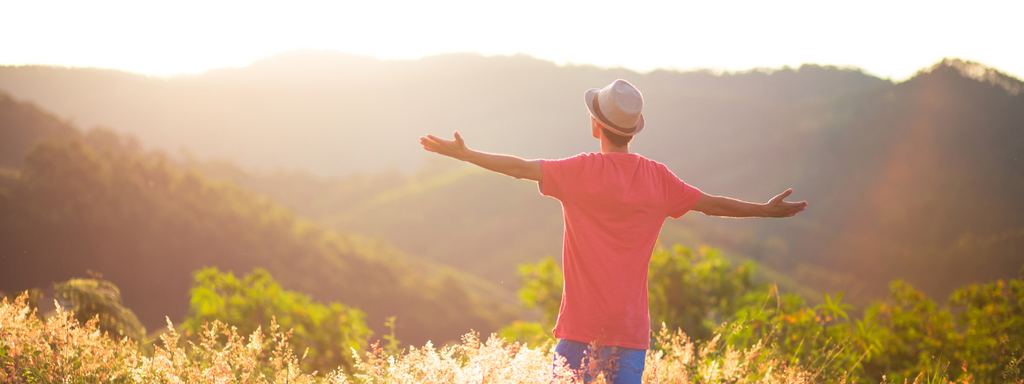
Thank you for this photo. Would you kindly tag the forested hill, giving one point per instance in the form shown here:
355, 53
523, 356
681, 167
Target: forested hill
21, 125
147, 226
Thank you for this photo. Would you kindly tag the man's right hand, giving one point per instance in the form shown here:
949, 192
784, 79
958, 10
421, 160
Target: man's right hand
455, 149
505, 164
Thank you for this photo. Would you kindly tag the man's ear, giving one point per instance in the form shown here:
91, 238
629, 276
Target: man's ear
595, 128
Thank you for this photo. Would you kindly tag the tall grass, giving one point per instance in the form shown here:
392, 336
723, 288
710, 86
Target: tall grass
61, 350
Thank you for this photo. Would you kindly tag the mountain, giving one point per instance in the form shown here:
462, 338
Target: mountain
333, 113
918, 180
147, 225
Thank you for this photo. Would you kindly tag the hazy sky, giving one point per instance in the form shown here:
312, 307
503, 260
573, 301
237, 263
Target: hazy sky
886, 38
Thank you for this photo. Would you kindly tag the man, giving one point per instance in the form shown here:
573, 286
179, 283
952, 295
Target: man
614, 204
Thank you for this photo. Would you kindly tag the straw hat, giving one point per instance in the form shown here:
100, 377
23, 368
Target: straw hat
618, 107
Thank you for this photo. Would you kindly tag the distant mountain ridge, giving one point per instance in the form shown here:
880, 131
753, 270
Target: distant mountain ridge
333, 113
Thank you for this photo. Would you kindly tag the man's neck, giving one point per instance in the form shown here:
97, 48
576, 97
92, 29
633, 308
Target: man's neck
607, 147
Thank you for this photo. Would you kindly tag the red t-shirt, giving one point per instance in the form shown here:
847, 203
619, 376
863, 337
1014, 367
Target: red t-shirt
614, 205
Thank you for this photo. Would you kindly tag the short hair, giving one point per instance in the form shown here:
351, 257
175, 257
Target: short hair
615, 138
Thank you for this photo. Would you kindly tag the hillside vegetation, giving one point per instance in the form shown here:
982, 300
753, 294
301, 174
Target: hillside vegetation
146, 225
716, 325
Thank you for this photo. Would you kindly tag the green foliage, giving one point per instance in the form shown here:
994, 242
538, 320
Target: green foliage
99, 299
542, 288
530, 333
915, 334
392, 341
992, 317
905, 337
694, 291
325, 335
833, 308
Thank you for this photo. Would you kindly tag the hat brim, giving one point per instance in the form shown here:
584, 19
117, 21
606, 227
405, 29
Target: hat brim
588, 98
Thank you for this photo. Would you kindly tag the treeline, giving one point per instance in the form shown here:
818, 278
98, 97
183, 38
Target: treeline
146, 226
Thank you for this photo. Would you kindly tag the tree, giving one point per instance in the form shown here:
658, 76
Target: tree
100, 299
324, 334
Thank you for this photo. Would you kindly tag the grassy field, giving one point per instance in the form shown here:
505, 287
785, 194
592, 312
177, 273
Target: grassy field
60, 349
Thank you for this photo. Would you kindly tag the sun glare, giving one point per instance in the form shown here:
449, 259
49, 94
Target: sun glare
890, 39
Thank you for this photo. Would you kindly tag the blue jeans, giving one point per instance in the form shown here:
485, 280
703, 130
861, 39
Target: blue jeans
619, 365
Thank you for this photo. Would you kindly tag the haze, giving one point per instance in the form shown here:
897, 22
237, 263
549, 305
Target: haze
887, 39
302, 159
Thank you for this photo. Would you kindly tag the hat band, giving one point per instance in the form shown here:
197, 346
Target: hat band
604, 120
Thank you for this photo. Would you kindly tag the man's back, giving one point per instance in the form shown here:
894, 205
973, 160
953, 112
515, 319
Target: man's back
614, 205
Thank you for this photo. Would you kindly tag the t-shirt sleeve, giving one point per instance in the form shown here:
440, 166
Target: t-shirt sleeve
558, 176
681, 197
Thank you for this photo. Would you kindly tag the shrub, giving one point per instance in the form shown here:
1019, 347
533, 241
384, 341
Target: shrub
59, 349
100, 299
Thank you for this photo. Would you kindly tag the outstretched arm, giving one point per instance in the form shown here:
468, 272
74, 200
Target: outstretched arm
728, 207
504, 164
